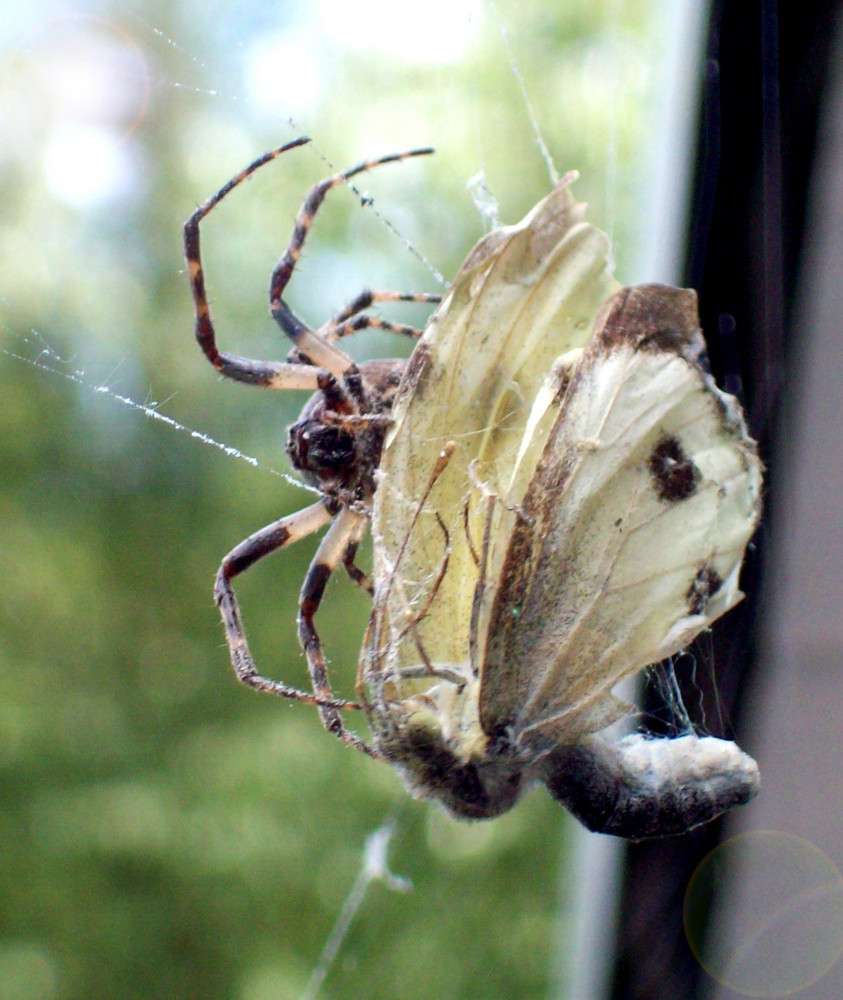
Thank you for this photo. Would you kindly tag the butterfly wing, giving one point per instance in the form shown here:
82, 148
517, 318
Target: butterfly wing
631, 533
526, 294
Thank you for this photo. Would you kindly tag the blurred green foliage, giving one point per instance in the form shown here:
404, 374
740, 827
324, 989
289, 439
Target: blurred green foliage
164, 832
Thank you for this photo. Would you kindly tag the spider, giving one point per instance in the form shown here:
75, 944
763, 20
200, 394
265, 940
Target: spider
335, 444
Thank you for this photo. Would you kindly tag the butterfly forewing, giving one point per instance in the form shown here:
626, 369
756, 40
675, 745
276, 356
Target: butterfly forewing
631, 534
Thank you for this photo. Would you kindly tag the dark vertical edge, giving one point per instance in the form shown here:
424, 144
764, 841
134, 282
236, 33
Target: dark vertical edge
765, 69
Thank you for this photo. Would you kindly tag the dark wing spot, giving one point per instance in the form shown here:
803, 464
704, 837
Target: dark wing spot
674, 474
705, 583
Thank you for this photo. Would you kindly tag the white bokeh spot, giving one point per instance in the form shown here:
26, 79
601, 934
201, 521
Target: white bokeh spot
283, 74
436, 31
86, 165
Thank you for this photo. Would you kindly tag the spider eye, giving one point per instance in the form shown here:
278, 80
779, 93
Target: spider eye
321, 450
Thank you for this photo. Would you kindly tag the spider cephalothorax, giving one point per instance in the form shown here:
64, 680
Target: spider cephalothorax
336, 450
335, 444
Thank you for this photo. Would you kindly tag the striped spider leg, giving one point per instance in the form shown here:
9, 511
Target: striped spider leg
335, 445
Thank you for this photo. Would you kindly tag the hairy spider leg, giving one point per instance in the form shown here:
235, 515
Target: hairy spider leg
344, 534
323, 367
269, 374
277, 535
368, 297
349, 321
355, 573
345, 531
318, 351
310, 344
307, 341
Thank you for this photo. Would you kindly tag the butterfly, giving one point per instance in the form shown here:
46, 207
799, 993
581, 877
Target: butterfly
564, 497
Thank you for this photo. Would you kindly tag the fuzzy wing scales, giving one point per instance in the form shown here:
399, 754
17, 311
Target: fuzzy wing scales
631, 534
526, 294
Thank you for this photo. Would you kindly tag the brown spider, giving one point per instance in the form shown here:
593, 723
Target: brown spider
335, 444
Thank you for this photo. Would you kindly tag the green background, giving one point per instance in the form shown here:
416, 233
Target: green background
163, 831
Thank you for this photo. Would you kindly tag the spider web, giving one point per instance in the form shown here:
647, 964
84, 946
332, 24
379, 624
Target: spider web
45, 359
100, 256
